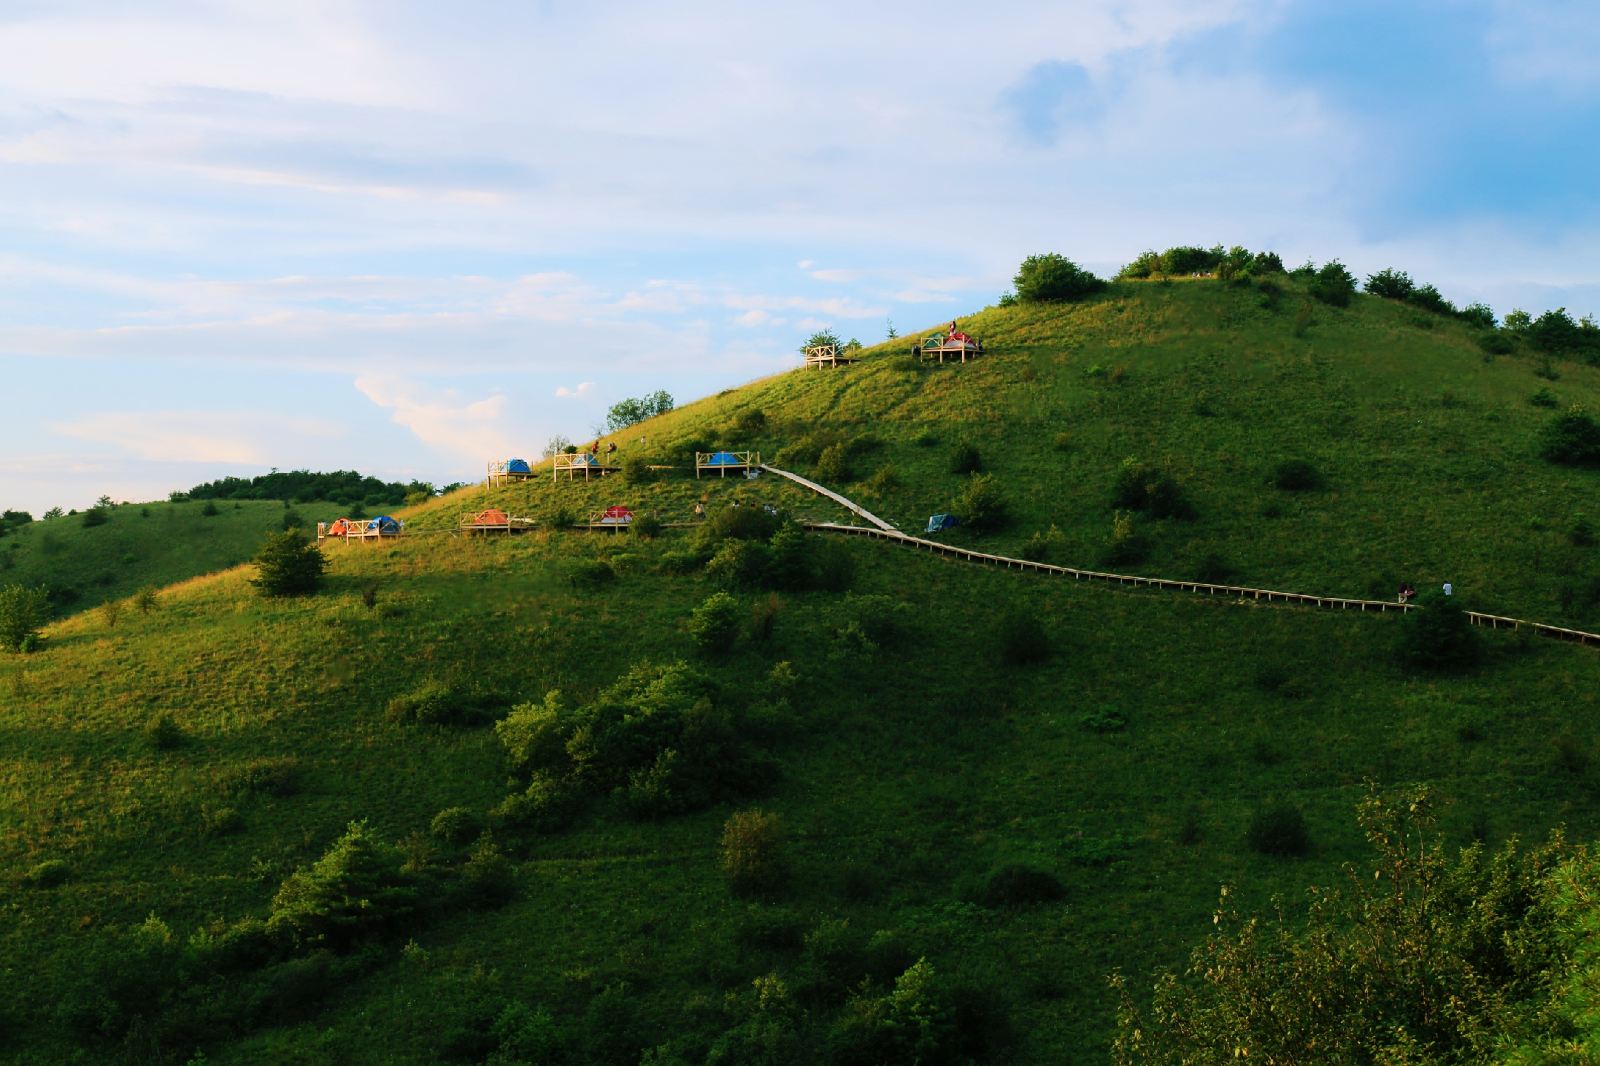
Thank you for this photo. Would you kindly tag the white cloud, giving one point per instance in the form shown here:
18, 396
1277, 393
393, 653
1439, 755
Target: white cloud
236, 437
476, 430
837, 275
580, 389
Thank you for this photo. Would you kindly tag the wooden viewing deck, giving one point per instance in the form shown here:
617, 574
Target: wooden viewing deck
828, 355
586, 462
725, 461
924, 351
498, 473
469, 523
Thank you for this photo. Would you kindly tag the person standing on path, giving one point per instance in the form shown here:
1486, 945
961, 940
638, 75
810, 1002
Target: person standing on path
1449, 589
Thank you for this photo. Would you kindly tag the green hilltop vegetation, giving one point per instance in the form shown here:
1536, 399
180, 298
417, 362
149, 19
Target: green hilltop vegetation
730, 792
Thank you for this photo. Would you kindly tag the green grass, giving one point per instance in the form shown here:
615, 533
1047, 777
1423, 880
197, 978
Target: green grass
1127, 763
137, 546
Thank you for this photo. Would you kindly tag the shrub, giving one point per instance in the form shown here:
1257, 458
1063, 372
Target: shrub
763, 616
914, 1023
289, 565
47, 874
1022, 639
1128, 544
1439, 636
146, 599
636, 470
1053, 277
647, 526
714, 625
1478, 314
22, 612
435, 702
355, 889
1497, 342
738, 523
456, 825
163, 733
279, 777
1104, 720
1151, 490
752, 851
1333, 284
1296, 475
220, 821
487, 878
1430, 299
1543, 398
740, 564
833, 464
1572, 439
547, 805
1391, 284
981, 504
1045, 547
209, 510
1278, 830
591, 574
94, 516
750, 422
835, 566
964, 459
1017, 885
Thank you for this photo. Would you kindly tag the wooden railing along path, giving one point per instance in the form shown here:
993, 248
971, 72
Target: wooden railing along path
884, 531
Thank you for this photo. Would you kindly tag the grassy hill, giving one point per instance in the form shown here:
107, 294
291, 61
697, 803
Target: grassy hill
138, 545
1026, 815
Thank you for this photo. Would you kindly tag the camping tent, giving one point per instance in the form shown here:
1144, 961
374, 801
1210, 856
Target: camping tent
517, 466
585, 459
384, 526
616, 516
940, 522
340, 527
724, 459
491, 517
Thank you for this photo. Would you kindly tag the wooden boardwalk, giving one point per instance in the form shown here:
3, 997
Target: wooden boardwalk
882, 530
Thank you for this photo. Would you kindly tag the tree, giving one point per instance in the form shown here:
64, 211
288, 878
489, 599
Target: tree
54, 512
1054, 278
22, 612
1478, 314
1333, 284
1419, 957
628, 412
289, 564
822, 338
356, 888
981, 505
1438, 636
1390, 284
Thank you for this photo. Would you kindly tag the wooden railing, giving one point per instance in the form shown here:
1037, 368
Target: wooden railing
848, 505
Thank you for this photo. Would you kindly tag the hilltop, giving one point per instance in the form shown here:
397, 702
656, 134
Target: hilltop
994, 788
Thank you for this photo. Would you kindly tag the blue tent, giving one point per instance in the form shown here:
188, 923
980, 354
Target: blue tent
585, 459
384, 526
724, 459
940, 522
517, 466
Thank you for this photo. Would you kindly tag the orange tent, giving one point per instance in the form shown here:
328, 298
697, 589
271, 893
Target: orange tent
491, 517
340, 527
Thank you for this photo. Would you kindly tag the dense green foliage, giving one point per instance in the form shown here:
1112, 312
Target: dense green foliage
305, 486
289, 564
631, 411
1053, 278
22, 612
1428, 958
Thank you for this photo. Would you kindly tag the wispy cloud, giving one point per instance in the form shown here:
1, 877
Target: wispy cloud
582, 388
471, 430
220, 437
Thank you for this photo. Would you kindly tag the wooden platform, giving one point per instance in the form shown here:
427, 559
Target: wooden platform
469, 524
497, 474
828, 355
586, 463
742, 461
925, 353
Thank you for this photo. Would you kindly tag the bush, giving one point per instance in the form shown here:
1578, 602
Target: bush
434, 702
1544, 398
1297, 475
1390, 284
22, 612
714, 625
647, 526
752, 852
209, 510
1333, 284
355, 889
1045, 547
1497, 342
1104, 720
487, 878
740, 564
750, 422
981, 505
1572, 439
1478, 314
764, 616
636, 470
547, 805
1017, 885
1022, 638
833, 464
965, 459
1053, 277
1278, 830
1128, 544
163, 733
738, 523
456, 825
591, 574
47, 874
289, 564
1151, 490
146, 599
279, 777
94, 516
1438, 636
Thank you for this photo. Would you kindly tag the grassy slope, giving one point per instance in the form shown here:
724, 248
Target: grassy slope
137, 545
922, 767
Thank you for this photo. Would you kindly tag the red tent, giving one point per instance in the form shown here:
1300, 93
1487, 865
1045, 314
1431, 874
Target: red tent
491, 517
340, 527
616, 516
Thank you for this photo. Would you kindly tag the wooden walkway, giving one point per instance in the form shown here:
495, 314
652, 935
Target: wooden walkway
882, 530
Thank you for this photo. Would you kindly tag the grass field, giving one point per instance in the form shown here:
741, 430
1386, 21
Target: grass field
911, 754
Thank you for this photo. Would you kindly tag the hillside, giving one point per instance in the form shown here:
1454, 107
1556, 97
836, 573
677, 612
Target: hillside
138, 545
921, 727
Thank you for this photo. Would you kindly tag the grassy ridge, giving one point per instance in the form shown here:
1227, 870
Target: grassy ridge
1126, 764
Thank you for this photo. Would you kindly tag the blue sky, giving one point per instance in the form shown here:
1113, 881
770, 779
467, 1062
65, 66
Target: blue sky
408, 238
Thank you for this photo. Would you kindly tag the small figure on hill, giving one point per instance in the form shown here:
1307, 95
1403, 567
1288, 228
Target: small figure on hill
1449, 589
1407, 592
699, 509
611, 446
